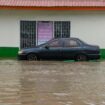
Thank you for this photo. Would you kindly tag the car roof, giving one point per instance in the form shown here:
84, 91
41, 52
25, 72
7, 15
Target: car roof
66, 38
74, 38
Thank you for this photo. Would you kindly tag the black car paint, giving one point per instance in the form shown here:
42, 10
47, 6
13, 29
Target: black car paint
62, 52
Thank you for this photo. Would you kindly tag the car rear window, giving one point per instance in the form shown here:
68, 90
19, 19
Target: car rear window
71, 43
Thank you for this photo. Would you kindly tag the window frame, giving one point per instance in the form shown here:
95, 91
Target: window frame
78, 43
61, 23
36, 36
30, 40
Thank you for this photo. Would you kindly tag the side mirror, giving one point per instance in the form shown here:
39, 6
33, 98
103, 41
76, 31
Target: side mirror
47, 47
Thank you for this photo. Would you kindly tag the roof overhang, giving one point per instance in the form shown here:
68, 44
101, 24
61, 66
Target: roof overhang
53, 4
53, 8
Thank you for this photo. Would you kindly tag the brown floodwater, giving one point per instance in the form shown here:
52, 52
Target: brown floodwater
52, 83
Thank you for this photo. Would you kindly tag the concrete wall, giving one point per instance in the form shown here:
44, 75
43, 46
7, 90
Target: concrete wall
86, 25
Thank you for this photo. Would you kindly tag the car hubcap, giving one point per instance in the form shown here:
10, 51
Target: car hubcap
32, 57
81, 58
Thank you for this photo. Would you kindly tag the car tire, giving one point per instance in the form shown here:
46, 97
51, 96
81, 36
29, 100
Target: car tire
32, 57
81, 57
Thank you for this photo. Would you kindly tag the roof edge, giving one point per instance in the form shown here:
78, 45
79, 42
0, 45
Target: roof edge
53, 8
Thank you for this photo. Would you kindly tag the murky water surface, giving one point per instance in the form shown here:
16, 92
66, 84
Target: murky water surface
52, 83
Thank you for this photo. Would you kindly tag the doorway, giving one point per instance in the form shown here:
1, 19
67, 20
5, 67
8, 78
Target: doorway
44, 31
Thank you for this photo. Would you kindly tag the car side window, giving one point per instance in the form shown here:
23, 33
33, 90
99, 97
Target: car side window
71, 43
54, 44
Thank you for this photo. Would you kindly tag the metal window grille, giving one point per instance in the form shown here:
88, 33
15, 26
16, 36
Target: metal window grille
27, 34
62, 29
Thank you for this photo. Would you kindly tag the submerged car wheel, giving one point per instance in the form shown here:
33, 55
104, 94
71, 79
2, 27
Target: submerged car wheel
81, 57
32, 57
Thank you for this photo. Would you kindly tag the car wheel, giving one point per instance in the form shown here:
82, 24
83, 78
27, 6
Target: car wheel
81, 57
32, 57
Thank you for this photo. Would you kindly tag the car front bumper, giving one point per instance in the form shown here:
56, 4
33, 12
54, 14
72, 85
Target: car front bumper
22, 57
94, 56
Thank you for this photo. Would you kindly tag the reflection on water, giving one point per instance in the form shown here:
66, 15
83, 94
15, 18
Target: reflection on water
52, 83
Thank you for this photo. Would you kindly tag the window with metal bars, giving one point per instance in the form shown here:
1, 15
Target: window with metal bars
27, 34
62, 29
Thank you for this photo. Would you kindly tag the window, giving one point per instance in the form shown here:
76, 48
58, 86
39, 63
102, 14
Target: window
44, 30
71, 43
54, 44
62, 29
27, 34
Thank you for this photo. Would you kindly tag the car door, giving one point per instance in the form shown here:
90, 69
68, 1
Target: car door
51, 50
71, 48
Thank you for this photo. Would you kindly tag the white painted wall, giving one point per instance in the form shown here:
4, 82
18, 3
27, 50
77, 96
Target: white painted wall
86, 25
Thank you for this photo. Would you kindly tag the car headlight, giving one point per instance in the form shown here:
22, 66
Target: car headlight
20, 52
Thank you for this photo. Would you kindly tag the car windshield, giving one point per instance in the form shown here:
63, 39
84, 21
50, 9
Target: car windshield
44, 44
81, 41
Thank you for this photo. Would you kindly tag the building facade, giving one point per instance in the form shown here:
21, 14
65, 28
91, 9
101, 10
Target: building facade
32, 22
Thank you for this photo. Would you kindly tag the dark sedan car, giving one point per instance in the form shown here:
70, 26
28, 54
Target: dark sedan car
61, 48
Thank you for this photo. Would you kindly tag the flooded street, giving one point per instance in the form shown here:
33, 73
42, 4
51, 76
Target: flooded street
52, 83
